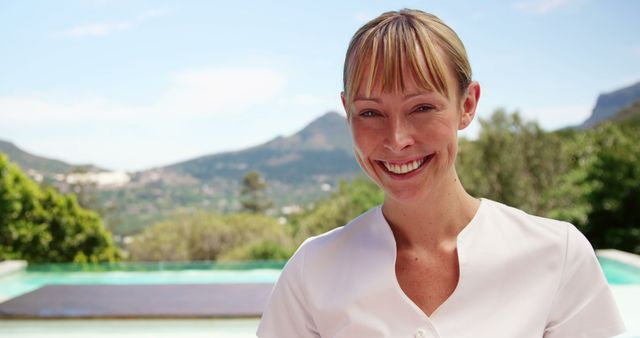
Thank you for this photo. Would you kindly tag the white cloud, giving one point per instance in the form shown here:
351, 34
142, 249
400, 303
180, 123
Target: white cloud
105, 28
217, 91
540, 6
191, 94
42, 110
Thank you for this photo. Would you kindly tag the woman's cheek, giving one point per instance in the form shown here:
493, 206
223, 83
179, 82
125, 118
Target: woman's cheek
366, 166
362, 139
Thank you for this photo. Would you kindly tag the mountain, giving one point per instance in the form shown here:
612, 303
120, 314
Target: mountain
299, 169
320, 152
42, 165
611, 103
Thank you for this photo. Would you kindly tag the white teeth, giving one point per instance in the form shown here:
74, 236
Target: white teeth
403, 168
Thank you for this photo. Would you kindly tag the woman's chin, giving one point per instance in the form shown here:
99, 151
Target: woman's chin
405, 196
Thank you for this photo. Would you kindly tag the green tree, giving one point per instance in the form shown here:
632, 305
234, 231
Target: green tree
41, 225
612, 176
253, 195
513, 161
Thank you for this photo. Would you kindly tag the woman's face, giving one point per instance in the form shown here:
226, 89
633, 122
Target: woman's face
407, 142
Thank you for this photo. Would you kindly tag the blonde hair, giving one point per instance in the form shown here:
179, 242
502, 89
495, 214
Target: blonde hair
379, 50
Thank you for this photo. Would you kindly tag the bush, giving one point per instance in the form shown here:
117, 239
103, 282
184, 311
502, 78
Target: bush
41, 225
207, 236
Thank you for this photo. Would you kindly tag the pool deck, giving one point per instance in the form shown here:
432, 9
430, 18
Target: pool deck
140, 301
8, 267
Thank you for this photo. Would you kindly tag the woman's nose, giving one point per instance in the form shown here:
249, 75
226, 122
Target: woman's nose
399, 135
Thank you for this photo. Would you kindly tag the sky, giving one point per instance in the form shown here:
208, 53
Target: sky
131, 85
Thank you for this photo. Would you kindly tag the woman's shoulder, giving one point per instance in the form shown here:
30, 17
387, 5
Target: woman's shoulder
561, 261
515, 219
520, 228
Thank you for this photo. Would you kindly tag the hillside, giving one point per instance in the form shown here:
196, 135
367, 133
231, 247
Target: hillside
299, 169
42, 165
321, 151
611, 103
628, 115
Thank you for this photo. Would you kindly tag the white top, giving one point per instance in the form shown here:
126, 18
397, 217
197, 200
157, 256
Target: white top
520, 276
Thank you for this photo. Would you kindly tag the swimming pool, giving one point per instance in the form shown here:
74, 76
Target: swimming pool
619, 273
36, 276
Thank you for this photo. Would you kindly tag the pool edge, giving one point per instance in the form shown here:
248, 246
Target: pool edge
11, 266
620, 256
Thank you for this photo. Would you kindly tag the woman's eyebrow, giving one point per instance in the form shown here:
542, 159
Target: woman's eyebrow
406, 97
362, 98
412, 95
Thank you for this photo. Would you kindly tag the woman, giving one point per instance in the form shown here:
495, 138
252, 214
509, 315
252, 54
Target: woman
432, 261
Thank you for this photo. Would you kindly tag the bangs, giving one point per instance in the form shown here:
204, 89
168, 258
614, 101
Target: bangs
378, 58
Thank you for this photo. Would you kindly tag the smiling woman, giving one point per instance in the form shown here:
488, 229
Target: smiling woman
432, 256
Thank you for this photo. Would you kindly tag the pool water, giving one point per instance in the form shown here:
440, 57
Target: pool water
34, 277
619, 273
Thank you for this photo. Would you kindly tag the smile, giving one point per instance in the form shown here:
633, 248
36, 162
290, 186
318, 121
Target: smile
406, 167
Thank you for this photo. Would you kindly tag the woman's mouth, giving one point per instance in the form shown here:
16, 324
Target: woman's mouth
403, 168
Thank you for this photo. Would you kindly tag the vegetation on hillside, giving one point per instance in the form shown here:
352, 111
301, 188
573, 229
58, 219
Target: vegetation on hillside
253, 195
209, 236
630, 114
249, 236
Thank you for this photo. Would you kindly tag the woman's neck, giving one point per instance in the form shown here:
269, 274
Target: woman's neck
433, 222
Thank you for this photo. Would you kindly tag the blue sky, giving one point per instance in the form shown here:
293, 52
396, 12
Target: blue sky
131, 85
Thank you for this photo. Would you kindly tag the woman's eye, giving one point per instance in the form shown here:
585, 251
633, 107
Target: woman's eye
424, 108
368, 113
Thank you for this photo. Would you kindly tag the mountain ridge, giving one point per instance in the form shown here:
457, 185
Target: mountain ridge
319, 150
609, 104
43, 165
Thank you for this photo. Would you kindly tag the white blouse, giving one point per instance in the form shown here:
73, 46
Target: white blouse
520, 276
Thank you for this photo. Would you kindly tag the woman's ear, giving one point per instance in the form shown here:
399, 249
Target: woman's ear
469, 104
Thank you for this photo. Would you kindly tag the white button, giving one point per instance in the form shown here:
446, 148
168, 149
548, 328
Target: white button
421, 333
